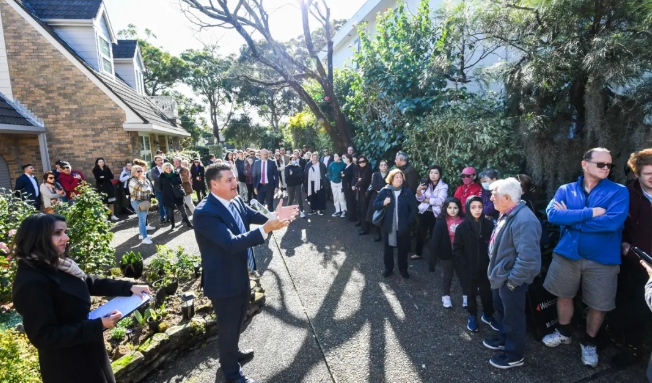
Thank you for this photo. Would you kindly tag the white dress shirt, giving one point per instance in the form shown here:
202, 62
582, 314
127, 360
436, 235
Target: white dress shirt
36, 188
226, 204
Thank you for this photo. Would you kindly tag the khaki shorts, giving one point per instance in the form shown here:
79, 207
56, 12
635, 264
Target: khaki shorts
599, 282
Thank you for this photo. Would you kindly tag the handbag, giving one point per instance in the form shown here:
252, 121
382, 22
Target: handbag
378, 216
367, 194
144, 205
178, 191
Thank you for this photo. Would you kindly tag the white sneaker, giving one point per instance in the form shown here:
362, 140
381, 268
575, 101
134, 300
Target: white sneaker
343, 215
465, 301
147, 241
589, 355
140, 237
303, 214
148, 227
114, 218
555, 339
285, 194
446, 300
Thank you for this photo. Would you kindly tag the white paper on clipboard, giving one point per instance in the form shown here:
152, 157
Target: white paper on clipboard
126, 305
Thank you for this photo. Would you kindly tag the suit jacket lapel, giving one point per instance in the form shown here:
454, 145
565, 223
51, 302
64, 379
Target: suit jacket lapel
223, 211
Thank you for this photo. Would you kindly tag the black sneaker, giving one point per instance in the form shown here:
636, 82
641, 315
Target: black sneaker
501, 361
494, 344
387, 273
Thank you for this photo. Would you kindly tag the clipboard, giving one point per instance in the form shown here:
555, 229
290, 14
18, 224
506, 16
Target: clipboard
126, 305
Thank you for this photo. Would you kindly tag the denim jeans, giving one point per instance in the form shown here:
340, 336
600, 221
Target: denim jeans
162, 210
510, 306
142, 219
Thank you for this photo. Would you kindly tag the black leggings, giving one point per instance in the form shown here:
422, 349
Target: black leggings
200, 194
250, 192
425, 225
183, 213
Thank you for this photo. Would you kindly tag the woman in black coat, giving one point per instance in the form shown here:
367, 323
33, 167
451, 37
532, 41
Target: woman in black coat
361, 186
348, 182
103, 177
198, 179
470, 249
377, 183
400, 208
55, 301
172, 192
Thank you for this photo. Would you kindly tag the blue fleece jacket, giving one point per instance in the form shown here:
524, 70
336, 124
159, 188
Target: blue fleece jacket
582, 236
334, 170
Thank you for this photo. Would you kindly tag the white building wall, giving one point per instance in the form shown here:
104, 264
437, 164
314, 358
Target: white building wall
5, 80
125, 69
83, 40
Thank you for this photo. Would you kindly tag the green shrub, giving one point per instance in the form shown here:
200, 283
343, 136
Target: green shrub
89, 231
13, 211
9, 319
118, 333
130, 257
18, 359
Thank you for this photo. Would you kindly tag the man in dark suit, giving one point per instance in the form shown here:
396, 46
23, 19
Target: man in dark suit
27, 186
222, 231
265, 176
327, 159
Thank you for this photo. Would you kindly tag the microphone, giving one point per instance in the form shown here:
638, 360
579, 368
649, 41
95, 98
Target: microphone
642, 255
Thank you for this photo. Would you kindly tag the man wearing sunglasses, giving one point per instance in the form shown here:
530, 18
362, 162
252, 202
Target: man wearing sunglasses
591, 213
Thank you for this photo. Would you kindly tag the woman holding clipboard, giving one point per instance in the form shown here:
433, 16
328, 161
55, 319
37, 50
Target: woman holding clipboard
53, 295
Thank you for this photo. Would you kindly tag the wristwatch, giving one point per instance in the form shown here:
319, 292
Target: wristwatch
511, 286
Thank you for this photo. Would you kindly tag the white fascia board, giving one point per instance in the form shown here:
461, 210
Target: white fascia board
124, 60
153, 128
21, 129
349, 28
103, 13
131, 116
68, 22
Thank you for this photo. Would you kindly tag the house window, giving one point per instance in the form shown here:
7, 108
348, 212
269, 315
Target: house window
145, 147
105, 55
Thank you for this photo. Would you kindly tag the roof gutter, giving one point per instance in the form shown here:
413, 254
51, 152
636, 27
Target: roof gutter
153, 128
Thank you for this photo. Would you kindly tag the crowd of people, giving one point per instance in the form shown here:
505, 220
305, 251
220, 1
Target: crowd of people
488, 232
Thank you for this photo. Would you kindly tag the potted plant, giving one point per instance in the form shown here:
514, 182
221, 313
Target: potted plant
154, 317
131, 265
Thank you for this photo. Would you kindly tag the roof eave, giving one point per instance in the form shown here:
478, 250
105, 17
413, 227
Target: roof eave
155, 128
68, 22
21, 129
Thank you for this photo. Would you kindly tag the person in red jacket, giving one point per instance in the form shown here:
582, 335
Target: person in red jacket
70, 179
469, 186
631, 313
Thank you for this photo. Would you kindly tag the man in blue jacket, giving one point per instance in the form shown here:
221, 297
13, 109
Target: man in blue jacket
591, 213
265, 177
225, 243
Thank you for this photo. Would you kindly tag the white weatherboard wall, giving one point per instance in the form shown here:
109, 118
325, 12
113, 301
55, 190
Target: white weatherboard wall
125, 69
83, 40
5, 80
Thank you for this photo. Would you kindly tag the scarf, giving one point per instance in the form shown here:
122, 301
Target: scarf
169, 175
67, 265
314, 175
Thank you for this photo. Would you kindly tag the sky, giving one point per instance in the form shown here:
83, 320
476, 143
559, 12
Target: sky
176, 33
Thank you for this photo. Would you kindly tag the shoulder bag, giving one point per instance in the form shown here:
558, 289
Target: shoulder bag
379, 216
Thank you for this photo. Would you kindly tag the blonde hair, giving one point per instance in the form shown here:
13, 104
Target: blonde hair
185, 163
135, 169
392, 174
167, 165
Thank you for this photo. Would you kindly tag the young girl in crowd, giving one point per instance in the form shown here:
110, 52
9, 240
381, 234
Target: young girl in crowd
470, 249
441, 246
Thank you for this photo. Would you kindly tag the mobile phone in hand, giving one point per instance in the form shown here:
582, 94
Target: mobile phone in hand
642, 255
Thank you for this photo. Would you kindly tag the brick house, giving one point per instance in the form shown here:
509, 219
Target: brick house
70, 90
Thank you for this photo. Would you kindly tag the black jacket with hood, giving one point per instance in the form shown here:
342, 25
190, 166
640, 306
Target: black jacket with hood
471, 245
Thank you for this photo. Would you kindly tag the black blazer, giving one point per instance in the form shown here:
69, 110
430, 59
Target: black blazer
330, 160
55, 306
223, 247
349, 173
24, 185
167, 186
471, 245
240, 166
197, 171
103, 177
407, 209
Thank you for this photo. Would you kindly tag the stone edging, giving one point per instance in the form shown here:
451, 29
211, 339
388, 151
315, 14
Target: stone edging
163, 347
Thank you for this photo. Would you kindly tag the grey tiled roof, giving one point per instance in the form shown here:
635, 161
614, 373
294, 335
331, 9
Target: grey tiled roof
65, 9
141, 105
10, 116
124, 49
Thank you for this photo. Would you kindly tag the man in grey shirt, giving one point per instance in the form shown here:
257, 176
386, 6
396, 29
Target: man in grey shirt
515, 260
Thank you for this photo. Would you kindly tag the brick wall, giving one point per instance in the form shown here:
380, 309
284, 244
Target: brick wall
20, 149
82, 122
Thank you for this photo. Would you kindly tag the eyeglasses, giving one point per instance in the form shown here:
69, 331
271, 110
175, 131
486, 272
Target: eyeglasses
139, 171
601, 165
50, 178
362, 162
467, 175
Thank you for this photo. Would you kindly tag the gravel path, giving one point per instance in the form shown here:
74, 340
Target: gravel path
331, 317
